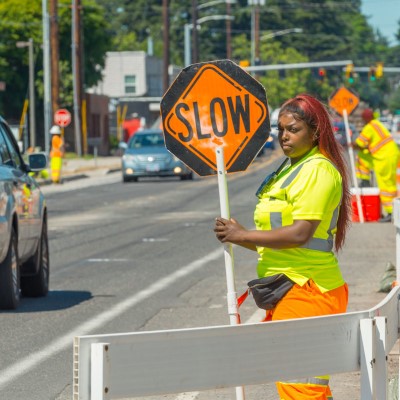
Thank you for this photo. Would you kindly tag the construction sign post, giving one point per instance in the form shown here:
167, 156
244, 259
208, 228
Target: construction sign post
215, 119
215, 104
344, 102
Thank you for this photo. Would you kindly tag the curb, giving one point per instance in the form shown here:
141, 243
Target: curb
70, 178
74, 177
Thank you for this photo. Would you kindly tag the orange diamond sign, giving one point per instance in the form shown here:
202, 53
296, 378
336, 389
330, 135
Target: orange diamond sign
215, 104
343, 99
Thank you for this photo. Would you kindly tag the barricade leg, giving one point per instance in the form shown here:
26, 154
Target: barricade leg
381, 375
99, 371
373, 358
367, 351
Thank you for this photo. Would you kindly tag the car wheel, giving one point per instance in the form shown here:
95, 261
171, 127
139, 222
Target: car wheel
125, 179
37, 285
9, 277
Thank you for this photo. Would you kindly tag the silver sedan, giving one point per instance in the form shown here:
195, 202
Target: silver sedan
145, 155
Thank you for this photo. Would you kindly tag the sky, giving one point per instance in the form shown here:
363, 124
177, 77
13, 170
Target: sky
384, 15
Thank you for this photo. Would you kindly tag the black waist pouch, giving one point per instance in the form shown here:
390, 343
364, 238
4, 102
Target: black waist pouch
268, 291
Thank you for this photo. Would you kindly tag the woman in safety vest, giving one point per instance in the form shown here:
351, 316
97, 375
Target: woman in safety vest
56, 153
378, 151
302, 216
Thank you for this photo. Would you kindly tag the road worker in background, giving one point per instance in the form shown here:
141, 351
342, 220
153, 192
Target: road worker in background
378, 152
56, 153
302, 217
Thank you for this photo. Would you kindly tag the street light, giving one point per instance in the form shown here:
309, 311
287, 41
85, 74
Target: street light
280, 33
271, 35
32, 121
214, 3
189, 27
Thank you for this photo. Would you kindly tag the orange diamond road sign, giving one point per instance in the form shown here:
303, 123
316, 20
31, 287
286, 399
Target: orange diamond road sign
343, 99
215, 104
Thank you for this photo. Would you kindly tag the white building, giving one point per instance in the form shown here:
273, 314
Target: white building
129, 75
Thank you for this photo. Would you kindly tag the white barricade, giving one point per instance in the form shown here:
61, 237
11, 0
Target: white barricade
173, 361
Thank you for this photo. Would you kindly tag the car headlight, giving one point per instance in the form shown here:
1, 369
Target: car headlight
128, 157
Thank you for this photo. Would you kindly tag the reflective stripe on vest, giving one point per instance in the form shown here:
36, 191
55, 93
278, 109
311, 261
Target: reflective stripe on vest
325, 245
312, 381
384, 138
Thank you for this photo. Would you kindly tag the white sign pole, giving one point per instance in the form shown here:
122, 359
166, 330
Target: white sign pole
228, 252
353, 167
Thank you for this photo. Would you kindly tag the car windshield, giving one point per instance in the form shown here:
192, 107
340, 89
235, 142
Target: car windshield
146, 140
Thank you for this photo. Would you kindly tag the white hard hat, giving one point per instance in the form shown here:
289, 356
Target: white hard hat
55, 130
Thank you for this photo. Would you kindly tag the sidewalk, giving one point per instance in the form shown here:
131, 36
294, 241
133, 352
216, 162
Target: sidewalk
78, 168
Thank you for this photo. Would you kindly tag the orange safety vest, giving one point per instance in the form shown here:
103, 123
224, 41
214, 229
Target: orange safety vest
57, 146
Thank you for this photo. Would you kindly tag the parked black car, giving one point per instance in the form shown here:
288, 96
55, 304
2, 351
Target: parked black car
24, 250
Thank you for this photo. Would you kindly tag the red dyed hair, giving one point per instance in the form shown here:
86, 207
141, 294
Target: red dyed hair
310, 110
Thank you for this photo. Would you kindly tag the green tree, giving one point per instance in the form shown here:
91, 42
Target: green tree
279, 84
22, 20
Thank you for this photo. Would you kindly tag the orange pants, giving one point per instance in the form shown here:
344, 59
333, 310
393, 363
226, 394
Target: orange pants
302, 302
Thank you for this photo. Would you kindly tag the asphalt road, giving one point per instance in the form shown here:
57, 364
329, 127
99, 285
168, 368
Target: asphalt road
110, 240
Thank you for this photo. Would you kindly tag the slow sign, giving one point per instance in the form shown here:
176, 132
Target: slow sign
343, 99
215, 104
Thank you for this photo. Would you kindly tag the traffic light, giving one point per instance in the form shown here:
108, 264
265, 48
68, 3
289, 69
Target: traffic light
379, 70
244, 63
321, 74
350, 73
372, 74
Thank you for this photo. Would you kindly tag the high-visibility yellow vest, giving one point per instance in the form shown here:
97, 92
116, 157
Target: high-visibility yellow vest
309, 190
377, 139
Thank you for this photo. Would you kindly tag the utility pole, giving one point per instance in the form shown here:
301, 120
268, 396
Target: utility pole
195, 54
55, 55
255, 30
228, 32
257, 33
76, 73
46, 76
32, 119
166, 46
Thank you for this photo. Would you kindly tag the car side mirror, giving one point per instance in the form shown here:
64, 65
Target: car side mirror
122, 145
37, 161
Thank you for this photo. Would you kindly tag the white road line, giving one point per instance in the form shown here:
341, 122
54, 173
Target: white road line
26, 364
108, 260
